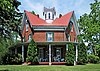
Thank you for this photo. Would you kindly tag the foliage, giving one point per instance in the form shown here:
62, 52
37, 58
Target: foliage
32, 55
9, 17
93, 59
70, 55
82, 53
9, 23
90, 26
4, 48
15, 59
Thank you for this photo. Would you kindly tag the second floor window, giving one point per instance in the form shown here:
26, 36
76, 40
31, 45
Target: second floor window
50, 36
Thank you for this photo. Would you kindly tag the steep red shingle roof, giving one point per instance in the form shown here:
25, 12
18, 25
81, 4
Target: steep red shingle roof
36, 21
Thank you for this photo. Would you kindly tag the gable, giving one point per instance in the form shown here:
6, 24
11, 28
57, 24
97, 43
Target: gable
75, 24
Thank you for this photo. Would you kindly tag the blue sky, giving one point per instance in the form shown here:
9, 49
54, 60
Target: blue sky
62, 6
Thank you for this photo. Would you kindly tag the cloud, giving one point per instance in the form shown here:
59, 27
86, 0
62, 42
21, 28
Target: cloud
62, 6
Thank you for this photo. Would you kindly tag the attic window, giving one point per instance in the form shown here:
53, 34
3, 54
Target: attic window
26, 27
29, 37
72, 29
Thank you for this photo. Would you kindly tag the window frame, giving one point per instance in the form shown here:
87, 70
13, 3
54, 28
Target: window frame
48, 37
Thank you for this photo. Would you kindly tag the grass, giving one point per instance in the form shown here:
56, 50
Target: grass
89, 67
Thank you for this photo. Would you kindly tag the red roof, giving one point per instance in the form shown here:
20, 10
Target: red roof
36, 21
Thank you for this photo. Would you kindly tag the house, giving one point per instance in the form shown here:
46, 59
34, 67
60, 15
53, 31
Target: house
51, 35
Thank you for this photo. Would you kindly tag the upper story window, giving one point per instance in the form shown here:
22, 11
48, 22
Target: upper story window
74, 39
50, 36
29, 37
69, 37
26, 27
72, 29
45, 16
49, 15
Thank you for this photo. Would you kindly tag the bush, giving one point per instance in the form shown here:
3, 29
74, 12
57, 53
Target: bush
93, 59
14, 59
82, 54
70, 55
32, 55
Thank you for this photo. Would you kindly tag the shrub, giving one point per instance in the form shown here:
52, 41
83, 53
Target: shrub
70, 55
82, 54
32, 55
93, 59
14, 59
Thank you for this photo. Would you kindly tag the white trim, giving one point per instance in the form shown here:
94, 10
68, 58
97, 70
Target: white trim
49, 30
49, 54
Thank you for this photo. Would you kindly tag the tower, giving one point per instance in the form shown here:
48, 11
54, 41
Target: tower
49, 14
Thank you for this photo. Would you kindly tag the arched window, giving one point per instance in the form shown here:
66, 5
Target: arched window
49, 15
52, 16
45, 16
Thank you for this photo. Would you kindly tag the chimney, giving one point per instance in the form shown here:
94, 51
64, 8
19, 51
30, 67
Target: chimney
38, 15
60, 15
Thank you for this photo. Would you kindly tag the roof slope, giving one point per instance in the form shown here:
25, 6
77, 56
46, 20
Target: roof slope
36, 21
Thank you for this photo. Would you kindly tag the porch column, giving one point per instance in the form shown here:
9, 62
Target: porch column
49, 54
66, 46
22, 52
76, 55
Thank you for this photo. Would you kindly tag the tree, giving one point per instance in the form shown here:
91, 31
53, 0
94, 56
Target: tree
9, 17
9, 23
82, 53
90, 26
70, 55
32, 54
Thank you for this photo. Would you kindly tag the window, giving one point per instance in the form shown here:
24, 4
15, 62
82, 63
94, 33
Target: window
69, 38
74, 39
41, 55
52, 16
49, 15
29, 37
49, 36
72, 29
45, 16
26, 27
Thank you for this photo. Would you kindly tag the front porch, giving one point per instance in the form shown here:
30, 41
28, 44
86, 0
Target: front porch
53, 53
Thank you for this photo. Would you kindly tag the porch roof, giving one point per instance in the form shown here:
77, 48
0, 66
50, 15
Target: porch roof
56, 43
44, 43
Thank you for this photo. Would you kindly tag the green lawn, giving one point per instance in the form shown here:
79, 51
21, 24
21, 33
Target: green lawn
89, 67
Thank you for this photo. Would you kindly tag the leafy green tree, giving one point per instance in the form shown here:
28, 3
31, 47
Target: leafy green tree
82, 53
9, 23
32, 53
90, 27
70, 55
9, 17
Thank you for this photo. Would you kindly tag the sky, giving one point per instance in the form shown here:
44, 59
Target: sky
62, 6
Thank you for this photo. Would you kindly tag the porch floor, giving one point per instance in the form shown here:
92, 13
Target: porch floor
52, 63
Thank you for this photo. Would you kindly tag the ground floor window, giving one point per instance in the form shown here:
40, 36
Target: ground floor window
57, 54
